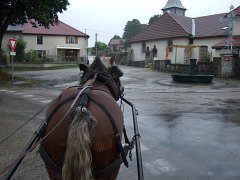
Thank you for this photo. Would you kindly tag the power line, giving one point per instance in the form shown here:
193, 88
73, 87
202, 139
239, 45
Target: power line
94, 30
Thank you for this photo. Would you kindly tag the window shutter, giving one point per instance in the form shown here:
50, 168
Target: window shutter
76, 40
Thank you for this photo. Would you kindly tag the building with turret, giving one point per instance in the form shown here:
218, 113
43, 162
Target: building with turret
174, 7
179, 38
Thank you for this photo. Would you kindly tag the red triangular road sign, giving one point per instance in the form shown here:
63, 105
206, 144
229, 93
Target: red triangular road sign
12, 43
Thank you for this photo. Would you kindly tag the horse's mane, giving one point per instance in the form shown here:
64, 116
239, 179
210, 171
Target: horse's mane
103, 75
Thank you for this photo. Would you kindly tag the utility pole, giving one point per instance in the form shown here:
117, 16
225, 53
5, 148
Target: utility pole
96, 43
87, 61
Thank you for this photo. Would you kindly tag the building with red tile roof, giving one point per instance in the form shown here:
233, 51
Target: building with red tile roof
59, 42
116, 44
180, 38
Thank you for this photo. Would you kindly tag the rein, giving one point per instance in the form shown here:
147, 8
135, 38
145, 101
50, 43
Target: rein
20, 127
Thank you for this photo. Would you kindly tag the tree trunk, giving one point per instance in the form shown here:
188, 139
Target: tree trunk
3, 29
1, 38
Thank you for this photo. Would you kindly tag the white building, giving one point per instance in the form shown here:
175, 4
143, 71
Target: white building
60, 41
180, 38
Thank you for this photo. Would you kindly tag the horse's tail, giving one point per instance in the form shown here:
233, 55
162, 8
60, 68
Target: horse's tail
78, 158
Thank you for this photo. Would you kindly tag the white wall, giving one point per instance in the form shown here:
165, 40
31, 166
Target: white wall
236, 28
207, 42
161, 47
138, 55
50, 44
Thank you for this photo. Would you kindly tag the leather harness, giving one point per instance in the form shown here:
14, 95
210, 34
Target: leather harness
83, 103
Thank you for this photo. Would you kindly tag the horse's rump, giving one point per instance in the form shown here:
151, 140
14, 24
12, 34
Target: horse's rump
103, 140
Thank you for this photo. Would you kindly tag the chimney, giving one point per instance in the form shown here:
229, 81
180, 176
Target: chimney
193, 27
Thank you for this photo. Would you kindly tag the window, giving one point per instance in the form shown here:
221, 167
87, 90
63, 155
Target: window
144, 47
41, 53
39, 39
190, 40
203, 50
170, 43
71, 40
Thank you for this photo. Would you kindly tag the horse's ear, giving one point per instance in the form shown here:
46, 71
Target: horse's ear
113, 58
83, 67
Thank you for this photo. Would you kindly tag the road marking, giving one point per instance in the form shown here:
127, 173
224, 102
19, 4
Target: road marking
19, 93
159, 166
143, 148
42, 100
46, 101
29, 95
37, 98
11, 91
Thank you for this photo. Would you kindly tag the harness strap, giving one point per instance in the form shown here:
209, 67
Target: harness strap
59, 105
44, 155
58, 169
118, 139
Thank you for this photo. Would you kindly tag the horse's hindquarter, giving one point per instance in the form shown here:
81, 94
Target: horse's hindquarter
103, 142
102, 135
55, 143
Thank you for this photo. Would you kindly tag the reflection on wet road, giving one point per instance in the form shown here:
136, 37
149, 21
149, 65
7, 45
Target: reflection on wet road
189, 131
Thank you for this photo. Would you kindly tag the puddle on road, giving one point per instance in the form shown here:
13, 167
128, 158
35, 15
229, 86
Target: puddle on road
193, 127
213, 85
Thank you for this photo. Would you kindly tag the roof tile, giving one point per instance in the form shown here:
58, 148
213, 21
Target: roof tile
59, 28
224, 43
171, 25
165, 27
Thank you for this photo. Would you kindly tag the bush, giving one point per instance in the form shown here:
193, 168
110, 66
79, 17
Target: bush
207, 57
31, 56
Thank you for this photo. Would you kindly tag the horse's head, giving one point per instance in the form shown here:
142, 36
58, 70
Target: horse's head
107, 72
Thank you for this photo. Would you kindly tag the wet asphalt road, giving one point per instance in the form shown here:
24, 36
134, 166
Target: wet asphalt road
188, 131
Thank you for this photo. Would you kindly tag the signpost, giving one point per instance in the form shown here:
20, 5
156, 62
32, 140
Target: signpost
12, 44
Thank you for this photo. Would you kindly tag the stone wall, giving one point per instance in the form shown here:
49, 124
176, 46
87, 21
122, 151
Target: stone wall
165, 66
137, 63
214, 67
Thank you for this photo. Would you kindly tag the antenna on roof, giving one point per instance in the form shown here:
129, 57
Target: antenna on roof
231, 19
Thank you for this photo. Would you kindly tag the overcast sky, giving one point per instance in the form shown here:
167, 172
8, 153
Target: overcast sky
109, 17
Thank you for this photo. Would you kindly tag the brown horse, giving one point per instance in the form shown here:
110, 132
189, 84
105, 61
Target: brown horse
84, 127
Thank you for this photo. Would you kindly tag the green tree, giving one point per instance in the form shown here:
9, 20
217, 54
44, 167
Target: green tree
44, 12
20, 50
153, 18
100, 46
131, 29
